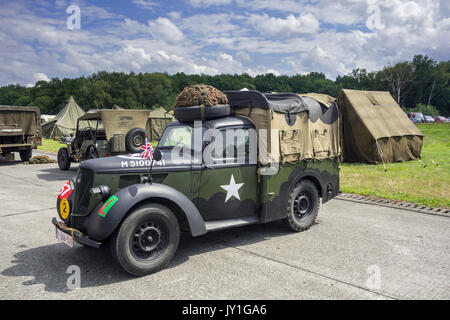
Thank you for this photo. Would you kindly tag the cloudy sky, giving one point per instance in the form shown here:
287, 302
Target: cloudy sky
40, 39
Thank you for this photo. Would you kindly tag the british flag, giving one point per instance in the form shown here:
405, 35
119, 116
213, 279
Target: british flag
146, 150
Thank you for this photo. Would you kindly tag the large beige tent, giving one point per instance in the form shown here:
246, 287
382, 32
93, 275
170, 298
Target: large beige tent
65, 121
375, 129
159, 119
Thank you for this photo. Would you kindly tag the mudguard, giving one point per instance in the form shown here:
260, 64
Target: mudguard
106, 217
323, 179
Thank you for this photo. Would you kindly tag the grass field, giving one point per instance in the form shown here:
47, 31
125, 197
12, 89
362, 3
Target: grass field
408, 181
50, 145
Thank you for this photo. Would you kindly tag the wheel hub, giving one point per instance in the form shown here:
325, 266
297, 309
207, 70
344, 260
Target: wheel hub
148, 240
137, 140
301, 206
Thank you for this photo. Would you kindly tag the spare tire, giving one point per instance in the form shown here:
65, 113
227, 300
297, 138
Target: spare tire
201, 112
134, 140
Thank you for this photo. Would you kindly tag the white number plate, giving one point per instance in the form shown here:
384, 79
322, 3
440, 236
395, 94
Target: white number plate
64, 237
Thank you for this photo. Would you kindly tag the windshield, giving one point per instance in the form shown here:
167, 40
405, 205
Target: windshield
174, 135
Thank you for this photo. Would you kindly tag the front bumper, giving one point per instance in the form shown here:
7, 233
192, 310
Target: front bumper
77, 236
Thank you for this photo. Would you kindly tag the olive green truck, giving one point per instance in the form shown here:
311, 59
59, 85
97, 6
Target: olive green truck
20, 131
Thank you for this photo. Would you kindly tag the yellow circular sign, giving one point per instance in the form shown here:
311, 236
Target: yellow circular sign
64, 208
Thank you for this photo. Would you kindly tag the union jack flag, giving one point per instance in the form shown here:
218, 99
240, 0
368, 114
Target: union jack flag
146, 150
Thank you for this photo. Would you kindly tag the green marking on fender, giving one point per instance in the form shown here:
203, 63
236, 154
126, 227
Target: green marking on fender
108, 205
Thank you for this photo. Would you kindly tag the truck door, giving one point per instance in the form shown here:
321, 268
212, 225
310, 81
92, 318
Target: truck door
228, 183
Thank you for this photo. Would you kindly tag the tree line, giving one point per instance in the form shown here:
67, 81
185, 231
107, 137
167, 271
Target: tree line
419, 83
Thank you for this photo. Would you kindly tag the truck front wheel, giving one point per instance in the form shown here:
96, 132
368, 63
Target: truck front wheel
25, 155
147, 240
303, 206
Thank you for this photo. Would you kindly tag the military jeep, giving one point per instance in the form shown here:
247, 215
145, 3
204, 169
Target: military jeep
210, 171
104, 133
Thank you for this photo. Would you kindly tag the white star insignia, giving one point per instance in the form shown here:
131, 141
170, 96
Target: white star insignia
232, 189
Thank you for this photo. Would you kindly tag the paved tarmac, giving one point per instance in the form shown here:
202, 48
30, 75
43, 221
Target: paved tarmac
354, 251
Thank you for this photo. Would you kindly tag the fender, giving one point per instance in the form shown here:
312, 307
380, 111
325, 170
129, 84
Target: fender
276, 209
323, 180
99, 227
311, 173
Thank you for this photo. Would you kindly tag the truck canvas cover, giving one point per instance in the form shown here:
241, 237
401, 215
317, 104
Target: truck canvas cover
375, 129
19, 121
298, 127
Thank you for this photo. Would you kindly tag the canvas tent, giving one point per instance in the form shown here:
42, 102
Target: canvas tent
375, 129
159, 119
65, 121
298, 128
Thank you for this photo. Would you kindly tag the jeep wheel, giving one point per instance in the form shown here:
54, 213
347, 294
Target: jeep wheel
134, 140
91, 153
63, 159
25, 155
147, 240
303, 206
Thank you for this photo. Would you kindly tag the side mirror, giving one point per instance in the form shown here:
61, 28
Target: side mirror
157, 155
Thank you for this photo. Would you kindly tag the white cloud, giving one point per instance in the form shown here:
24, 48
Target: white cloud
145, 4
209, 3
39, 76
163, 28
285, 28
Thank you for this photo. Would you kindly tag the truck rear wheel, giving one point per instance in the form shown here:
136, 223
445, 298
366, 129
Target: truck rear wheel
63, 159
147, 240
302, 206
25, 155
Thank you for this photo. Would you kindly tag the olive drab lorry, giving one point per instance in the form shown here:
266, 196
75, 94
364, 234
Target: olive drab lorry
20, 131
259, 158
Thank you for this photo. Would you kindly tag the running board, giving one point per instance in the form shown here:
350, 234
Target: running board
229, 223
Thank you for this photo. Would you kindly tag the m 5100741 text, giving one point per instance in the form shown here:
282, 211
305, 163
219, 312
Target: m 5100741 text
141, 214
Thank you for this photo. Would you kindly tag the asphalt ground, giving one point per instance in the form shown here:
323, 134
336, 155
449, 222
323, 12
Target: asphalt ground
354, 251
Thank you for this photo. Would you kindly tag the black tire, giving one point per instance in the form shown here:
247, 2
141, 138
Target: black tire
25, 155
147, 240
63, 159
196, 113
91, 153
303, 206
134, 140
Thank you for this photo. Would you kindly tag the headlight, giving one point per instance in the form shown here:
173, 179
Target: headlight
102, 190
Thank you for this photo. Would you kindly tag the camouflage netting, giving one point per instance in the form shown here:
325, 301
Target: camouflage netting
200, 94
39, 160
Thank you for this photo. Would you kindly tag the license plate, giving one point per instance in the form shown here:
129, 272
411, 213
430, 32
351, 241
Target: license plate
64, 237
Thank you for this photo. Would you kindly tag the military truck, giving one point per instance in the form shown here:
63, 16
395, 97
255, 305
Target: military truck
103, 133
211, 170
20, 131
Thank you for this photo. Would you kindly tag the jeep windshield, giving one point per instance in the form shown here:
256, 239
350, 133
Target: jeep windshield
172, 136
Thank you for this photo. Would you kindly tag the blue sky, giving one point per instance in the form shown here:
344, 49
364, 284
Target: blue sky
217, 36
